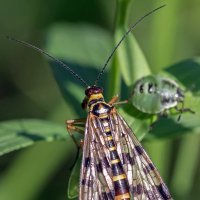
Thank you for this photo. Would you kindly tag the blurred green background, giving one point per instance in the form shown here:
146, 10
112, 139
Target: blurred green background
29, 90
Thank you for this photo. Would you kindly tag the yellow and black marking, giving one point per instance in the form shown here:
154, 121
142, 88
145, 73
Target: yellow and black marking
121, 189
120, 181
102, 110
118, 187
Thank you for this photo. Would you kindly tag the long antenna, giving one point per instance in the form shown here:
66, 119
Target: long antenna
123, 37
51, 57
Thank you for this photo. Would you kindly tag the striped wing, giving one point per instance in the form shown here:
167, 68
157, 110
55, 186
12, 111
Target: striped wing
96, 180
96, 175
144, 179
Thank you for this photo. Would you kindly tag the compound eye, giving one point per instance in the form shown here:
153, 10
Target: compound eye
84, 103
87, 92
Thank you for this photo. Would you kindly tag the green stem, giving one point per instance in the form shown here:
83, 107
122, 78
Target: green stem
122, 13
114, 80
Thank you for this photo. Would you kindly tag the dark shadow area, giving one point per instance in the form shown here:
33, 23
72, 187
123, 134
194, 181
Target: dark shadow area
187, 72
131, 110
32, 136
167, 127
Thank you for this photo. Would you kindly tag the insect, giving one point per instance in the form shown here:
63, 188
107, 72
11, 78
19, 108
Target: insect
156, 95
114, 165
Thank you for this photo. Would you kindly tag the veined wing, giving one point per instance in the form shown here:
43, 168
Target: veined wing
143, 177
96, 182
96, 179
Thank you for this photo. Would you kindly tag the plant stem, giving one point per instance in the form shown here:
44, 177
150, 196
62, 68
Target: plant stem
122, 13
121, 19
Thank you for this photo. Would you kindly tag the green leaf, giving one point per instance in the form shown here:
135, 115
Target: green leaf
73, 186
138, 121
162, 42
187, 72
83, 44
131, 60
17, 134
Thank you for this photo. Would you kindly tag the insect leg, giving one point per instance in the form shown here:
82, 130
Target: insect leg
75, 125
186, 110
114, 100
120, 102
182, 110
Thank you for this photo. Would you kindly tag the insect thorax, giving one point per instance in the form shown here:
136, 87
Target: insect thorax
100, 109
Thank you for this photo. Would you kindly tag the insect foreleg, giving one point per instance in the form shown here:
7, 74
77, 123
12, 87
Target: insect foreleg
114, 100
75, 126
120, 102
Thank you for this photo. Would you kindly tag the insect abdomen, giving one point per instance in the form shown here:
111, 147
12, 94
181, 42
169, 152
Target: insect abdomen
119, 178
154, 94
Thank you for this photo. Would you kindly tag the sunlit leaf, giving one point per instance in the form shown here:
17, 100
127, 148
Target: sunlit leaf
83, 44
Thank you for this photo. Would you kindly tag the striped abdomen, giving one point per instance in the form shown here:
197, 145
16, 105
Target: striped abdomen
119, 178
